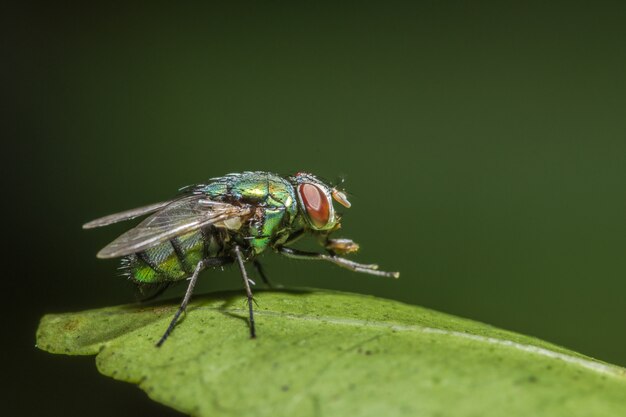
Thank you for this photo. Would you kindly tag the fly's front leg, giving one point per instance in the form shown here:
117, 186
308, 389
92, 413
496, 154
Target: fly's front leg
371, 269
246, 284
192, 283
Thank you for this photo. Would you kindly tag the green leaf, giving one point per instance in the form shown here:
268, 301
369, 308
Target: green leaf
321, 353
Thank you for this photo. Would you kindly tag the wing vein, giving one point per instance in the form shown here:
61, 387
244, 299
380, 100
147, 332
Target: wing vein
175, 219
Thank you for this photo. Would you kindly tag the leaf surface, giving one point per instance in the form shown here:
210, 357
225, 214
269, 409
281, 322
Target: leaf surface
321, 353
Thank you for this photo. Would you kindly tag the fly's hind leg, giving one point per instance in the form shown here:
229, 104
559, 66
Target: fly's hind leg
209, 262
246, 284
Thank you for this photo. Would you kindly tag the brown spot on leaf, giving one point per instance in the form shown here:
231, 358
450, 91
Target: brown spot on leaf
71, 325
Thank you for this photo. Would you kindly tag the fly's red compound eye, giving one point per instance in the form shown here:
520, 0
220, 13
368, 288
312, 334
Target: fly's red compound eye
316, 204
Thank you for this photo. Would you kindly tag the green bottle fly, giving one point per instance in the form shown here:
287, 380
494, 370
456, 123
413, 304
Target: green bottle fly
232, 219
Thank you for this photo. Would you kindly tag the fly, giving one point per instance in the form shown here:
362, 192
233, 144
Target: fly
231, 219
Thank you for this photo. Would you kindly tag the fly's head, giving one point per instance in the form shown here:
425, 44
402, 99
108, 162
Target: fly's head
315, 201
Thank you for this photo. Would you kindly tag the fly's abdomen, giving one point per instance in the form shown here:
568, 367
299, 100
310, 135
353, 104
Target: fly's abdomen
173, 260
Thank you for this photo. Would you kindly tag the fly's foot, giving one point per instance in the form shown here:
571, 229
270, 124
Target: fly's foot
342, 246
248, 301
373, 267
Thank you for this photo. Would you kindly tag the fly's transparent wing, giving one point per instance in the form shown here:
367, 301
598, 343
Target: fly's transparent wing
125, 215
177, 218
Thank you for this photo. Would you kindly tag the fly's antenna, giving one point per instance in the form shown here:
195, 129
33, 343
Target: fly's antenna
339, 192
339, 180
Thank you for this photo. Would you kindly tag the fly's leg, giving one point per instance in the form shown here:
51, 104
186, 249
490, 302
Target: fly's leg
183, 305
246, 284
192, 283
371, 269
259, 269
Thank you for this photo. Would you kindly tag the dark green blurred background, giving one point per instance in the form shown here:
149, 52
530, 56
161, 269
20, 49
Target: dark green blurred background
484, 148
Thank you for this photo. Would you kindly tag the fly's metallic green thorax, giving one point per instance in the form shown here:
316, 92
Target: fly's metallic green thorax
273, 198
273, 210
231, 219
